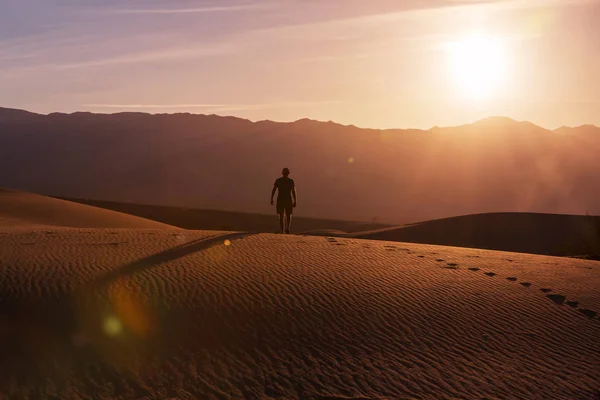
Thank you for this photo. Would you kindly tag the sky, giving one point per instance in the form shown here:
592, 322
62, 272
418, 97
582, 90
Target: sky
376, 63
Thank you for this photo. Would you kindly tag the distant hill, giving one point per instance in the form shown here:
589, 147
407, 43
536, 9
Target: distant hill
559, 235
342, 172
550, 234
190, 218
20, 209
587, 134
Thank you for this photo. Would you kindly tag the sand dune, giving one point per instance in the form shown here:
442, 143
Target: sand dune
26, 209
550, 234
193, 218
216, 315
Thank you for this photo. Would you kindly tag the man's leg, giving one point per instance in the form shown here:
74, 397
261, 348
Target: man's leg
288, 212
281, 227
289, 223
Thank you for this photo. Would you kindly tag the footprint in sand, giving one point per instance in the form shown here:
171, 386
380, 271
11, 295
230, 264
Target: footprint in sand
557, 298
340, 398
588, 313
560, 300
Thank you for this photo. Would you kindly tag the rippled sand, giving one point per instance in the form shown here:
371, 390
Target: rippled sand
128, 313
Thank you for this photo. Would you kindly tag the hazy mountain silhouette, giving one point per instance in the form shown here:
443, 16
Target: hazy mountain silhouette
342, 172
587, 133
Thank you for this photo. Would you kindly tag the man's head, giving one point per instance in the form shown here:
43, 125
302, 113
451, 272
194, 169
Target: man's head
285, 172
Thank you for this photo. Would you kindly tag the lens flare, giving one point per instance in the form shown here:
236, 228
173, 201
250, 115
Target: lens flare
130, 309
112, 326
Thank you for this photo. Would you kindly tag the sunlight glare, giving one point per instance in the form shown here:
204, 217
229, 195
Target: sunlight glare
479, 65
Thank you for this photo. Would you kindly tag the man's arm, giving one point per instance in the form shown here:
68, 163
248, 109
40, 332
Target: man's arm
294, 194
273, 192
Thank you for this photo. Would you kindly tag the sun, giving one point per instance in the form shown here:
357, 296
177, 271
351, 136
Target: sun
478, 64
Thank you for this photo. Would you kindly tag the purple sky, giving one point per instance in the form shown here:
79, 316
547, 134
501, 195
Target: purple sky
376, 63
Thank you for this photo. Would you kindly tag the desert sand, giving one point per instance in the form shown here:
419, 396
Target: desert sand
203, 219
27, 209
103, 313
549, 234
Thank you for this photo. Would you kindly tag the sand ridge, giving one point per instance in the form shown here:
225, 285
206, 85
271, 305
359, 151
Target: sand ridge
550, 234
27, 209
534, 233
115, 313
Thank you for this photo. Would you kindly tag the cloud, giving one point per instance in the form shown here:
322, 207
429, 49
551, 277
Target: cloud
431, 17
308, 30
196, 10
66, 50
216, 107
155, 105
417, 11
45, 61
514, 4
148, 57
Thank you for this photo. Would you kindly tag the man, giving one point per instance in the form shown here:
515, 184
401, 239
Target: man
287, 191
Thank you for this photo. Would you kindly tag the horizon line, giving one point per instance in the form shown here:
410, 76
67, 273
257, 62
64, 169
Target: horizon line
301, 119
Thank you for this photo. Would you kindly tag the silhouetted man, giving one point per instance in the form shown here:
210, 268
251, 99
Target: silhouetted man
285, 204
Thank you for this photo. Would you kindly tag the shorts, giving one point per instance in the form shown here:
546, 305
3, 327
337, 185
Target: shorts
286, 206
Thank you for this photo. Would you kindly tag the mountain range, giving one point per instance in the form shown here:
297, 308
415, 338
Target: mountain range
342, 172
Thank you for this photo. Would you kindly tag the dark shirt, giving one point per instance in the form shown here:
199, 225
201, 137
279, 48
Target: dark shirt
285, 187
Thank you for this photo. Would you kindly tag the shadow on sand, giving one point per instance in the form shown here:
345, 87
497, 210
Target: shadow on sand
39, 331
163, 257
